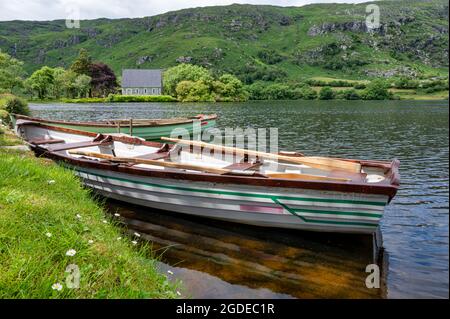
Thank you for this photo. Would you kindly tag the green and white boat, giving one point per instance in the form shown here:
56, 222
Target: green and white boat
148, 129
287, 190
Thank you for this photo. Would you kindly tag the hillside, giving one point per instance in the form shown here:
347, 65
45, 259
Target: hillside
253, 42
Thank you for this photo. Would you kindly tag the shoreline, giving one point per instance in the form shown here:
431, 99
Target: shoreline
50, 221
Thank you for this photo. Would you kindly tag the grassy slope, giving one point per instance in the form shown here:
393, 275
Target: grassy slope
30, 262
229, 38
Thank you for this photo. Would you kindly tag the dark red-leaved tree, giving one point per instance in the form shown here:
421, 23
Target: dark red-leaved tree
103, 80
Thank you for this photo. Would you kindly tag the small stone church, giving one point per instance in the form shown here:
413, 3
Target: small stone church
141, 82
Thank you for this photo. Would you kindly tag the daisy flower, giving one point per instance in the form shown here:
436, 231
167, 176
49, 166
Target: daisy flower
57, 286
71, 252
48, 235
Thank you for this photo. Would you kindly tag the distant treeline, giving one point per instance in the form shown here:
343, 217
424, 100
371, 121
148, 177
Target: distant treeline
86, 81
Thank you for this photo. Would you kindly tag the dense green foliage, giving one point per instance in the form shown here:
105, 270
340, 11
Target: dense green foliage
255, 43
12, 104
326, 93
377, 90
48, 83
11, 73
82, 63
191, 83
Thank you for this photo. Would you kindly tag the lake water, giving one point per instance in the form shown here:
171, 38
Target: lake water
222, 260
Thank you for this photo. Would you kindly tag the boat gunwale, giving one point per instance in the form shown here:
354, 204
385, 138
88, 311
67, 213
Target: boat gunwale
98, 124
389, 190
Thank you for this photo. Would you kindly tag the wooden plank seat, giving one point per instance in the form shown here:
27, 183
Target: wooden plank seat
242, 166
40, 141
71, 146
154, 156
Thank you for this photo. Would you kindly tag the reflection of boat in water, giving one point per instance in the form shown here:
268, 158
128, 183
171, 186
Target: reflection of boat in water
285, 263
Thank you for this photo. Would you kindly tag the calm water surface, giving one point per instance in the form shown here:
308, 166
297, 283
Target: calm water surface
235, 261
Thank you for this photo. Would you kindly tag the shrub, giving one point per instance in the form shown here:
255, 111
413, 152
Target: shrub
308, 93
198, 91
326, 93
17, 105
351, 94
359, 86
270, 56
377, 90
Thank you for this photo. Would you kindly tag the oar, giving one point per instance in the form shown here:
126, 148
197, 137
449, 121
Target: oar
153, 162
323, 163
202, 168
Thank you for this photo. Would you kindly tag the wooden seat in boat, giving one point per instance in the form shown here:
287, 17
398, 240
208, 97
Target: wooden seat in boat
71, 146
153, 156
40, 141
242, 166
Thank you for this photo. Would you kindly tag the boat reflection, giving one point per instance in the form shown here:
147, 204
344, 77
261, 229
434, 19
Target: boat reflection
224, 260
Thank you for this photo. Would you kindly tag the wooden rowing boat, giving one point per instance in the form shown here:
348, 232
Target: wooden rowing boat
273, 191
148, 129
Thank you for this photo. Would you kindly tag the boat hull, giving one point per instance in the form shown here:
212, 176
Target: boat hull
146, 132
302, 209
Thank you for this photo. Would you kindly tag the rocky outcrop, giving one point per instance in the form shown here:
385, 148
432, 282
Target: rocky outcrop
400, 71
184, 59
143, 59
358, 26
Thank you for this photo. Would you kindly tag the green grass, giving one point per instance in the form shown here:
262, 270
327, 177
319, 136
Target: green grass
38, 197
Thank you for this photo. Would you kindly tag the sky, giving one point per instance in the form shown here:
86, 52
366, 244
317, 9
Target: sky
92, 9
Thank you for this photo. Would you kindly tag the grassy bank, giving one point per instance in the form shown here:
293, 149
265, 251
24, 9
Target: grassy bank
45, 213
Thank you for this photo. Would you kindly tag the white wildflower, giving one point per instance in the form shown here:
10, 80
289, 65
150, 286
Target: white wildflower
57, 286
117, 215
50, 182
90, 241
119, 238
48, 235
105, 221
137, 234
134, 242
71, 252
78, 216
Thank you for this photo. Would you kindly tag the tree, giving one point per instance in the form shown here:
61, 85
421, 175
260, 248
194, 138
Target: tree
82, 85
326, 93
350, 94
41, 82
190, 91
377, 90
11, 72
82, 64
59, 82
229, 88
308, 93
103, 79
184, 72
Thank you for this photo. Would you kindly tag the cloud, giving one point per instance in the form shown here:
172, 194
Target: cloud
91, 9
